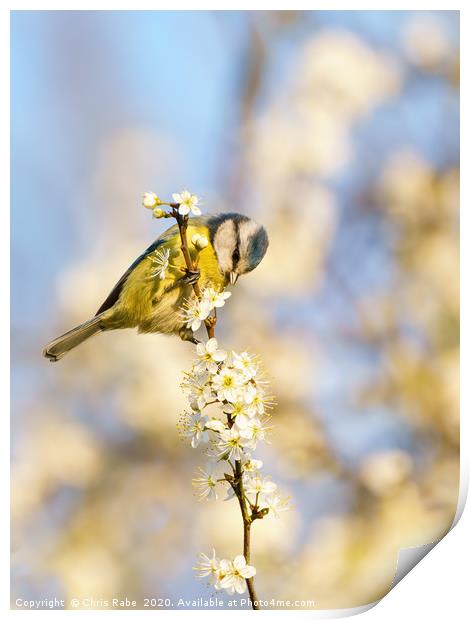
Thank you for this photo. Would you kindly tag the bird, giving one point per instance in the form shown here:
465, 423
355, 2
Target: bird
152, 299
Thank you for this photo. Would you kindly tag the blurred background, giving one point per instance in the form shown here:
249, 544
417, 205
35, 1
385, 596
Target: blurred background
339, 131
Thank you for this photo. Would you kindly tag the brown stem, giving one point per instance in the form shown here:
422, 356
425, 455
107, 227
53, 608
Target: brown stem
246, 533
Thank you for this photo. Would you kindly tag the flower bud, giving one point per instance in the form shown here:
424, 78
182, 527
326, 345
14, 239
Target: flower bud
150, 200
158, 213
199, 241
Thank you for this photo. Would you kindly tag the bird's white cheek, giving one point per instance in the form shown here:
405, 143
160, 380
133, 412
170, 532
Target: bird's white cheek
224, 259
224, 244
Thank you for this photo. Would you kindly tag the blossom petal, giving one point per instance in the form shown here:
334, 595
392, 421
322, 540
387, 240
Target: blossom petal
211, 345
149, 200
248, 571
219, 356
227, 581
269, 487
241, 421
239, 562
225, 566
246, 433
216, 425
204, 309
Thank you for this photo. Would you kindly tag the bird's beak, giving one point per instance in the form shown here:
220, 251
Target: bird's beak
233, 277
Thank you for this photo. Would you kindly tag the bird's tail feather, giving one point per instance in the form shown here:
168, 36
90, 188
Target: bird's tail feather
56, 349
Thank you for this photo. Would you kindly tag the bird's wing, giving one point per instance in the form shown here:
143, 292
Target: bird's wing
113, 296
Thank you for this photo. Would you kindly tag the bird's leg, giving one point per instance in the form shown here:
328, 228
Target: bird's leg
190, 278
186, 334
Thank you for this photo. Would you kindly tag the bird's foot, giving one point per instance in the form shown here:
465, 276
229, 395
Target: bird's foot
187, 334
191, 277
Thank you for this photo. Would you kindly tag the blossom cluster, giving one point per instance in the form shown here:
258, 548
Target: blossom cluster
197, 310
224, 574
228, 413
185, 201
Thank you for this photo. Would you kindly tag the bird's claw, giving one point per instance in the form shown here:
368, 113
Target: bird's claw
187, 335
192, 276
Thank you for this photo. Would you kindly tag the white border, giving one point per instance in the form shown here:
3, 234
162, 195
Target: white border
439, 585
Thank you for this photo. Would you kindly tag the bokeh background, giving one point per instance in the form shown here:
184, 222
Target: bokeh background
339, 131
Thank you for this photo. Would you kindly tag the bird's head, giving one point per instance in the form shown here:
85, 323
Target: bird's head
239, 243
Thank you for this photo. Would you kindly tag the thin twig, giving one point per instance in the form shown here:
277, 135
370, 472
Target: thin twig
246, 533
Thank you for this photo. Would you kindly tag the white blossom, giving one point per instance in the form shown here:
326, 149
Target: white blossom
276, 504
209, 567
226, 384
195, 313
210, 355
252, 465
150, 200
206, 483
245, 363
199, 241
188, 203
255, 397
215, 299
240, 412
236, 573
231, 443
196, 430
216, 425
197, 389
260, 486
161, 261
254, 431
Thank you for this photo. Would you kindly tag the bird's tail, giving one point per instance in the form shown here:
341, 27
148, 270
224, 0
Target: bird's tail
56, 349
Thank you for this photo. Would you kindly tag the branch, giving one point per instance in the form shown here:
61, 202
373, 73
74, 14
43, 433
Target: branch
246, 533
237, 485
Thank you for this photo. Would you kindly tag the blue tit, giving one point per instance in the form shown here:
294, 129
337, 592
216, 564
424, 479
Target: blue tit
152, 293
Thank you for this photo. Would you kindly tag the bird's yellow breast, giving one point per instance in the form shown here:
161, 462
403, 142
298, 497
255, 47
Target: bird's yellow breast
155, 305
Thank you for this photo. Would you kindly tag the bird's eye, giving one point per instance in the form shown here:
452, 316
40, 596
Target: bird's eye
236, 256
